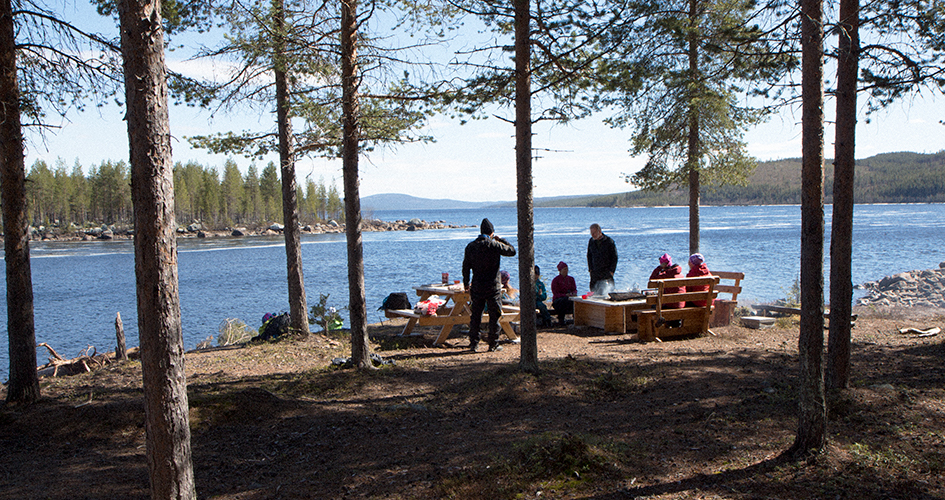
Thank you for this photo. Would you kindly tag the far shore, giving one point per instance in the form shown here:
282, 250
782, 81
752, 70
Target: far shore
196, 230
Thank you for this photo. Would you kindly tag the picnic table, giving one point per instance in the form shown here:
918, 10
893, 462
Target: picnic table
615, 316
454, 312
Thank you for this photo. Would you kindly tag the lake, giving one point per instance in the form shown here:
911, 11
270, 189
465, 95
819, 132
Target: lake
79, 286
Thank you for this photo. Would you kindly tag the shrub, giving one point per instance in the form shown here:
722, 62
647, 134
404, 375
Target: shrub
234, 331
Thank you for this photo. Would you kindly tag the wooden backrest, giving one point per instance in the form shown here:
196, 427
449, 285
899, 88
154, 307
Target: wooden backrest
735, 288
662, 297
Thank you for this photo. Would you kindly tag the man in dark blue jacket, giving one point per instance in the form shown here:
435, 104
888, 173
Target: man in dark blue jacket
482, 258
601, 260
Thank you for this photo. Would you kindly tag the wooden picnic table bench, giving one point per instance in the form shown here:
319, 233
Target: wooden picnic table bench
661, 322
448, 316
730, 282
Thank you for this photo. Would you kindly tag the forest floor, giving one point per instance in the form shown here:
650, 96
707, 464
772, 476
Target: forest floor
607, 417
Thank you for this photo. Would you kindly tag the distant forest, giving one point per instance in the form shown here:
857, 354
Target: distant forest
59, 197
884, 178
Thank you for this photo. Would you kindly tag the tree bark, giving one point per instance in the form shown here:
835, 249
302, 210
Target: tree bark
812, 425
350, 81
841, 229
23, 385
298, 307
167, 427
120, 352
523, 164
693, 153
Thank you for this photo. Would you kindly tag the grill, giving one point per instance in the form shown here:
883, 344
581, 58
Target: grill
619, 296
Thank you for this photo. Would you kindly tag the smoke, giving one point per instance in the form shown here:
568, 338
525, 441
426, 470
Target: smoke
603, 287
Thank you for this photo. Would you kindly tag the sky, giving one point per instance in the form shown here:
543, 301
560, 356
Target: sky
476, 161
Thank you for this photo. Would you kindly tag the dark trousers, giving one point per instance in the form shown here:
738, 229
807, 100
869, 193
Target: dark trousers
478, 303
563, 306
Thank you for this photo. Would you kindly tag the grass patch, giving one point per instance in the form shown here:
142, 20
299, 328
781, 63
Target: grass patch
549, 462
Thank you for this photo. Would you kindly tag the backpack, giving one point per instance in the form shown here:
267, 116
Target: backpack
396, 300
274, 327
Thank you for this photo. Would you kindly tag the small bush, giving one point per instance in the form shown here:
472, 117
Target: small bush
234, 331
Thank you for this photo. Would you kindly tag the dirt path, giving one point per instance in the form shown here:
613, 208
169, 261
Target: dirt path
608, 417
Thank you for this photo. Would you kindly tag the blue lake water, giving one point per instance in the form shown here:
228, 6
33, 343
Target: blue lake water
79, 286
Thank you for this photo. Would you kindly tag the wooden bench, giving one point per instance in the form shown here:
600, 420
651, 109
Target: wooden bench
722, 312
660, 322
447, 320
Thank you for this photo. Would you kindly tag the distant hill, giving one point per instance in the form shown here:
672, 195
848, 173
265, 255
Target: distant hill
885, 178
407, 202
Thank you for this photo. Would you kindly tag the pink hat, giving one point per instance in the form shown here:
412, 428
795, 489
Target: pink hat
562, 265
666, 260
696, 259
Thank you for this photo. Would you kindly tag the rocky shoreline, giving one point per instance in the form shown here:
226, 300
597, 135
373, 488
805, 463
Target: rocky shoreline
196, 230
924, 288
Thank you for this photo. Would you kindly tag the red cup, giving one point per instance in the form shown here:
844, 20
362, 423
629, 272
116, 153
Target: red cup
584, 296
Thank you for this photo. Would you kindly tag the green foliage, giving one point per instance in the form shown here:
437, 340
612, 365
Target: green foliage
234, 331
57, 197
327, 317
299, 38
885, 178
792, 296
683, 90
565, 456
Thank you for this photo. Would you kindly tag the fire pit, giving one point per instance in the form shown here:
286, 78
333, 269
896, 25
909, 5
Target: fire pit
621, 296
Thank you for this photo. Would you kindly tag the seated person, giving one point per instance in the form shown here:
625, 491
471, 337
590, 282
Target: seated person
697, 268
541, 294
668, 270
509, 293
562, 287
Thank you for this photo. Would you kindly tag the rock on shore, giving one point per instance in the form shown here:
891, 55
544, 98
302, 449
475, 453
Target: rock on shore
197, 230
911, 289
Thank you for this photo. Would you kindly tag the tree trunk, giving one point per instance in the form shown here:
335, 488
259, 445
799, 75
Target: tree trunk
120, 352
23, 385
298, 308
812, 425
841, 230
350, 80
523, 164
693, 153
167, 427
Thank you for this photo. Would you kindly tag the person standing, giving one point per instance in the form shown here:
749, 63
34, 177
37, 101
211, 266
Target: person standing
601, 259
482, 258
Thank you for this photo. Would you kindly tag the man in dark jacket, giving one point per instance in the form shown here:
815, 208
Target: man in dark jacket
601, 259
482, 258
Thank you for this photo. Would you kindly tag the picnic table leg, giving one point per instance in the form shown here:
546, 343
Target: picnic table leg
444, 334
408, 328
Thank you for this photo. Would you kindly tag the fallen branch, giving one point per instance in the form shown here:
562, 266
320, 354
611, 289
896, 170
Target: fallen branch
84, 363
928, 332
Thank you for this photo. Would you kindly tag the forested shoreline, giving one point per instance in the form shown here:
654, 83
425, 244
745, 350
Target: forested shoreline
64, 199
903, 177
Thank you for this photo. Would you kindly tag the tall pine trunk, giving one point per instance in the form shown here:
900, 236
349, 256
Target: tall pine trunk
298, 308
167, 427
693, 153
812, 408
23, 385
523, 165
841, 229
357, 308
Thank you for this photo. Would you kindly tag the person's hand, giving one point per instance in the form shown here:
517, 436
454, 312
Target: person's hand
466, 287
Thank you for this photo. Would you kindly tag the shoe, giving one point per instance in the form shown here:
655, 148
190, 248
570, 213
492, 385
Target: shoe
473, 346
495, 348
